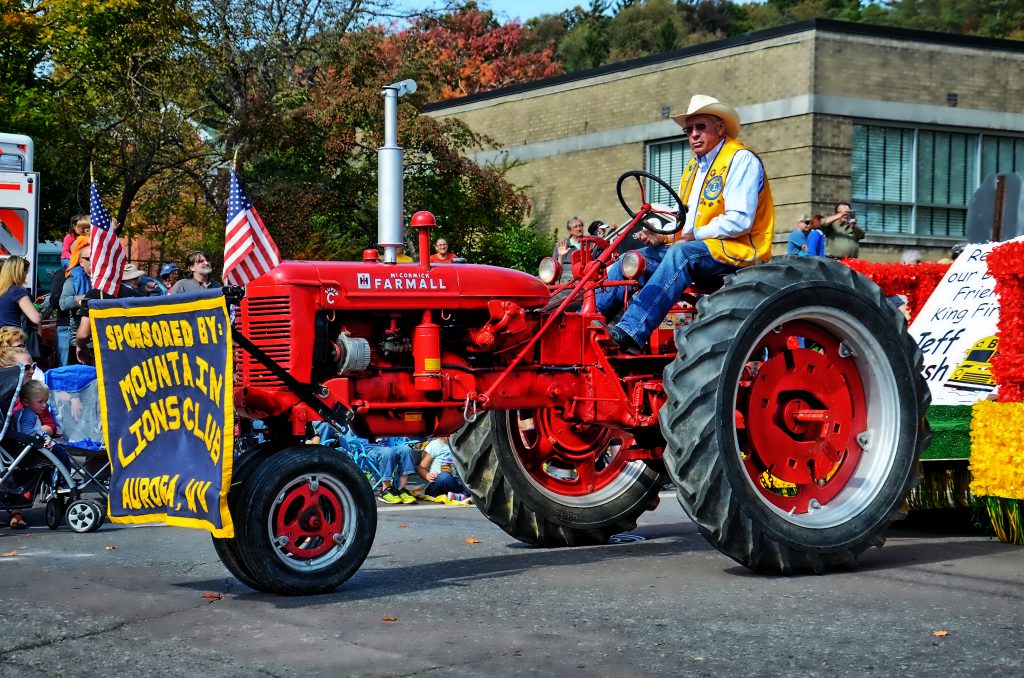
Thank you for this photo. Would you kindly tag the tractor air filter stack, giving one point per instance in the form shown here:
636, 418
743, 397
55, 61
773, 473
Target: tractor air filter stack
390, 175
426, 354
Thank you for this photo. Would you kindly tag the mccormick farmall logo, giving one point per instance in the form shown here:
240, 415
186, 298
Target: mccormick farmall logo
399, 281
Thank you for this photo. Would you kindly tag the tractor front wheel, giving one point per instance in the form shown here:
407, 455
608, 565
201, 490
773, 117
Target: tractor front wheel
228, 548
550, 482
305, 520
795, 416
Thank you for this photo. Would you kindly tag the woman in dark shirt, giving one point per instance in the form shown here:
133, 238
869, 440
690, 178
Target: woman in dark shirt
15, 303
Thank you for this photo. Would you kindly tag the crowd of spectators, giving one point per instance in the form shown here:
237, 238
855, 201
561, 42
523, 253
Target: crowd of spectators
391, 463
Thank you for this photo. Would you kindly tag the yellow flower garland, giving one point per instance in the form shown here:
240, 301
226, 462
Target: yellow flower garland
997, 450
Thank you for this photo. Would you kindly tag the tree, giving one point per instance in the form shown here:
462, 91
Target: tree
97, 82
646, 27
713, 19
468, 51
994, 18
22, 52
310, 164
27, 106
544, 32
587, 43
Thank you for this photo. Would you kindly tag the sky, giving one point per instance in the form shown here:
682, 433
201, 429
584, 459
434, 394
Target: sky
510, 9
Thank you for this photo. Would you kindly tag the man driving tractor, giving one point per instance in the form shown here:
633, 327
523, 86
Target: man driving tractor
729, 222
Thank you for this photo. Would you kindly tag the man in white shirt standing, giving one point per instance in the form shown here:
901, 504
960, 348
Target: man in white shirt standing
730, 220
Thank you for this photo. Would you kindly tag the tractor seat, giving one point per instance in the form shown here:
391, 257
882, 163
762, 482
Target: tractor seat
707, 284
700, 286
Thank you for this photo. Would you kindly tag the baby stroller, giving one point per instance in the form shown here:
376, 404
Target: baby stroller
60, 475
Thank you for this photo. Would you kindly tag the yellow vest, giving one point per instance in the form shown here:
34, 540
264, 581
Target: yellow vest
743, 250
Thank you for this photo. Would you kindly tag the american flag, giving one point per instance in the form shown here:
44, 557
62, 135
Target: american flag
249, 251
108, 258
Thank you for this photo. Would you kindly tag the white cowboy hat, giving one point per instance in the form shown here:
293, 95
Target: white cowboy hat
131, 272
703, 104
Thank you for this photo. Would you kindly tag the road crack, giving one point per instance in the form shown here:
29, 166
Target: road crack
113, 628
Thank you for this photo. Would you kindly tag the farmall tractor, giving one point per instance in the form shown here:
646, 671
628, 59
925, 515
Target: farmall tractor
786, 406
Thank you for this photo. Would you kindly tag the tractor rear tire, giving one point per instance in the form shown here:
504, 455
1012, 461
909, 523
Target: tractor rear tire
795, 416
540, 501
305, 523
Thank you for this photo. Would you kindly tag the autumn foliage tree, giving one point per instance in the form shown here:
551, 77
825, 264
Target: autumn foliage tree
311, 166
468, 51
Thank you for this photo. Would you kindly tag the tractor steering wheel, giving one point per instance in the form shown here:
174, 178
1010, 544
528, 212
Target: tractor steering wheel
679, 215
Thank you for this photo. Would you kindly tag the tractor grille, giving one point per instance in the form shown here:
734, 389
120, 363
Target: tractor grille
270, 328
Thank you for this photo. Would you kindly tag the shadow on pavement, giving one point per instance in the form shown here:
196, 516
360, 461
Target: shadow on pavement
373, 581
900, 552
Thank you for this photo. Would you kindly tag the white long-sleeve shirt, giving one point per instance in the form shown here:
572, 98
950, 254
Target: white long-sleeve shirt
742, 186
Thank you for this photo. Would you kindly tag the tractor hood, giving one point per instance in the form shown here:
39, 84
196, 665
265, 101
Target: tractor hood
378, 286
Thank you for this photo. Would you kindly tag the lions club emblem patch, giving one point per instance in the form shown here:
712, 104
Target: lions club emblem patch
713, 188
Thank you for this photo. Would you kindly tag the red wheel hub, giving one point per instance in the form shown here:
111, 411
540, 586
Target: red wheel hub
799, 414
307, 519
565, 457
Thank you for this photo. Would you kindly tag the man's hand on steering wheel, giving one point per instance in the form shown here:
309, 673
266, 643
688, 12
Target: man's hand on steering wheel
660, 226
668, 218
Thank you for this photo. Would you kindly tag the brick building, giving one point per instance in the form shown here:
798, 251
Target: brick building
904, 124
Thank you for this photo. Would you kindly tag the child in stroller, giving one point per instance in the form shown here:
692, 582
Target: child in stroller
35, 468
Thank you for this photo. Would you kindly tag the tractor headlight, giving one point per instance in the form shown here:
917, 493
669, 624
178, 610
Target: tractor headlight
633, 265
549, 271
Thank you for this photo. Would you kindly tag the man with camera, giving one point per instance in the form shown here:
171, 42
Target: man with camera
842, 234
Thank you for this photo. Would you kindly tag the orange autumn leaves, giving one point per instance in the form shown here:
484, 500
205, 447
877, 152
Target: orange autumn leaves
469, 52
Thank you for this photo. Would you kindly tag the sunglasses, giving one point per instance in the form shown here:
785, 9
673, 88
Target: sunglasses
700, 127
83, 258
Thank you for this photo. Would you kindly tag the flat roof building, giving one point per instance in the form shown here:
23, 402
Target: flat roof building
903, 124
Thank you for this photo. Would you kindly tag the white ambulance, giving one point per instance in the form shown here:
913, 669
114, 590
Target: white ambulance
19, 200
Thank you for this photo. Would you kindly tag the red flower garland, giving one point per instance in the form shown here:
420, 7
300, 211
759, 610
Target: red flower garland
1006, 265
914, 281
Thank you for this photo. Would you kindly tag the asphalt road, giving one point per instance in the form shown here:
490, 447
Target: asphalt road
129, 601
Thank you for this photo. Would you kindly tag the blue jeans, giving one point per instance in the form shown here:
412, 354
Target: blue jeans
63, 343
670, 270
392, 462
443, 484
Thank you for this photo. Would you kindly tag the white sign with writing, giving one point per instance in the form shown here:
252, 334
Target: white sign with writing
956, 331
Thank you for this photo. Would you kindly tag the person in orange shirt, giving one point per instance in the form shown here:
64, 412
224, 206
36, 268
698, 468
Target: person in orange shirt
442, 253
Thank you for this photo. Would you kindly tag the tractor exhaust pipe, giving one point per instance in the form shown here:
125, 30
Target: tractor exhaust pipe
391, 175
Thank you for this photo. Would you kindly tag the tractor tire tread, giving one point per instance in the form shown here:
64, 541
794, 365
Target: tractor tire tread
497, 498
690, 425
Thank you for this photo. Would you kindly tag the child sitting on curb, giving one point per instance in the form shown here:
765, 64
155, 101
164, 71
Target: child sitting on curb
438, 468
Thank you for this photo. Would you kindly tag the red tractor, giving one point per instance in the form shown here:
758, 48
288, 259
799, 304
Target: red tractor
786, 406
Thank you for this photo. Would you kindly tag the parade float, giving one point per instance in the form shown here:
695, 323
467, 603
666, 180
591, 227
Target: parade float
968, 319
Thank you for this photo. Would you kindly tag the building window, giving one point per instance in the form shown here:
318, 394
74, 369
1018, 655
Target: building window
946, 178
881, 174
666, 161
919, 181
1001, 154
